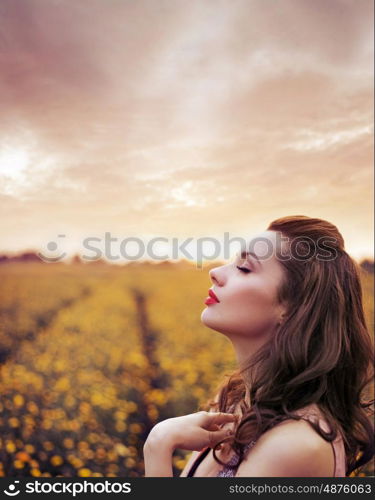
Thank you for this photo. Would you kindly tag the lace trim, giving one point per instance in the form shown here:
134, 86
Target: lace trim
226, 471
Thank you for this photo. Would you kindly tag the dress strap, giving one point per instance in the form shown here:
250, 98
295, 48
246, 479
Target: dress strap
197, 461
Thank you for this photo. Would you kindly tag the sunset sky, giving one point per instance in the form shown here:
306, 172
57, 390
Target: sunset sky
179, 118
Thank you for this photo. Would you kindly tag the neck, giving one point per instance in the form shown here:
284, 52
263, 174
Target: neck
245, 348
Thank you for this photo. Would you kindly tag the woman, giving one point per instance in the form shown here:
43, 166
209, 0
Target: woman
293, 311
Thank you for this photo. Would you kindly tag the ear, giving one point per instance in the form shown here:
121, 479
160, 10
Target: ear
281, 314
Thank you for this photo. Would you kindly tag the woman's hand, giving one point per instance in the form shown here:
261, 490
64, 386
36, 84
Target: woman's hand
195, 431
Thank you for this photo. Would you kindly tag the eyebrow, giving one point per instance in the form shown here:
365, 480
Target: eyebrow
245, 254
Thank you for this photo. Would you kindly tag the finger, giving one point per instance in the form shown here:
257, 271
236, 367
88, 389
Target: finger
224, 417
212, 427
215, 427
219, 418
217, 436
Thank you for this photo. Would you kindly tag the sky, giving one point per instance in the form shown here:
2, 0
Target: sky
182, 119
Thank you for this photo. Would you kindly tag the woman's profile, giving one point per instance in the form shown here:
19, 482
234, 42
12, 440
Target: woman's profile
291, 305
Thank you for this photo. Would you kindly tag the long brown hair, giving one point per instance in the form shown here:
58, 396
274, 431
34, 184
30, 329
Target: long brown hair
321, 353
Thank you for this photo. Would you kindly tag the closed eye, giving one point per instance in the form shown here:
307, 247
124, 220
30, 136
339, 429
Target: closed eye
244, 269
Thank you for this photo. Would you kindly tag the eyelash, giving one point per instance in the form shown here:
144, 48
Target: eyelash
244, 269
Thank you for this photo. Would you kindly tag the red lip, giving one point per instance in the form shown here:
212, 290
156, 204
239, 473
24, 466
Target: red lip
211, 294
212, 299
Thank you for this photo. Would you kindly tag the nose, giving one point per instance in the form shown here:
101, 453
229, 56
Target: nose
215, 276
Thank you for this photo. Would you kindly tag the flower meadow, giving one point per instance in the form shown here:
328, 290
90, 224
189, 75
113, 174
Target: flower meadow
92, 356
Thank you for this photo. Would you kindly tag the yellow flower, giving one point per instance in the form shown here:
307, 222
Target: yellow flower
23, 456
10, 447
135, 428
120, 426
48, 445
13, 422
56, 460
68, 443
129, 462
18, 400
84, 472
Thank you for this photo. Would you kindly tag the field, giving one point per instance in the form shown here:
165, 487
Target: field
92, 356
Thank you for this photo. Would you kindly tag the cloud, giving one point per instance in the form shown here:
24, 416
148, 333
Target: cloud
144, 114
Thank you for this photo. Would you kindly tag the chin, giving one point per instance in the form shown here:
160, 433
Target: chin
210, 321
205, 316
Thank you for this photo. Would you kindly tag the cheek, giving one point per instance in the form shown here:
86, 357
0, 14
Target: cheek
251, 307
247, 308
251, 295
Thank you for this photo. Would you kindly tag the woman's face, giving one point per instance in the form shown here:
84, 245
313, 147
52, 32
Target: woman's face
248, 296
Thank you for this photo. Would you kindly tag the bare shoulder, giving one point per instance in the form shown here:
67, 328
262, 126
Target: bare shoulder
193, 456
290, 449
